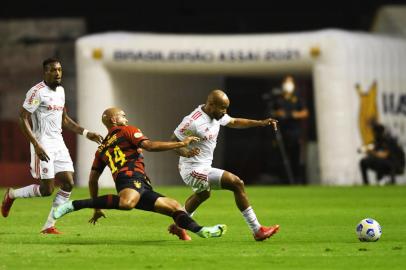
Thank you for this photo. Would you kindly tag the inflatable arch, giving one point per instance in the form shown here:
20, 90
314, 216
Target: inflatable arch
159, 78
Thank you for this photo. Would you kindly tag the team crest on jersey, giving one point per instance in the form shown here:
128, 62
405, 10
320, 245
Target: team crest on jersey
138, 135
137, 184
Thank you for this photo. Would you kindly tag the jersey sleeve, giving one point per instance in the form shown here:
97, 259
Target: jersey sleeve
135, 135
186, 128
225, 120
98, 164
32, 100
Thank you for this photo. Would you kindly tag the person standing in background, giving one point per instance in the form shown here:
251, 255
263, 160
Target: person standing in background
289, 110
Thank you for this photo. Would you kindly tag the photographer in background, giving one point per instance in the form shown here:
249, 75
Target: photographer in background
289, 110
384, 156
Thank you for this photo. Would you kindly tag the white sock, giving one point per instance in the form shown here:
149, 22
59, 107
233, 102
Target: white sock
25, 192
60, 198
251, 219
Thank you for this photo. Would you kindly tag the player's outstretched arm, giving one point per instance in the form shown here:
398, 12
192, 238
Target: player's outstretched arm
157, 146
68, 123
94, 192
249, 123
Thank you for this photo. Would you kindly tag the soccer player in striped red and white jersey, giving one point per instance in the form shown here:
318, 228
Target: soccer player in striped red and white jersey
44, 105
197, 172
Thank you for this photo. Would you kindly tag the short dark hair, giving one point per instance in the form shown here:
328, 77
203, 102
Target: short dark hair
49, 61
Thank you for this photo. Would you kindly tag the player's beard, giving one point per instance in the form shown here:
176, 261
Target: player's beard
219, 116
55, 84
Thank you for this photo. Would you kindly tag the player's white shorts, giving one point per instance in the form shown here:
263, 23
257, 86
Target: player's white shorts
60, 161
201, 178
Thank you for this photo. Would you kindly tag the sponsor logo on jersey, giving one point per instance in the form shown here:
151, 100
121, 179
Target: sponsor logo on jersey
55, 108
182, 130
31, 99
138, 135
211, 137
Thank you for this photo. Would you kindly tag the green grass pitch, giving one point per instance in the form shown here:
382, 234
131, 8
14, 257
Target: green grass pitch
317, 232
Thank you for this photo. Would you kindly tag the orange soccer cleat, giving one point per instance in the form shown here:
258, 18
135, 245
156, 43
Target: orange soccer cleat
181, 233
51, 230
265, 232
7, 203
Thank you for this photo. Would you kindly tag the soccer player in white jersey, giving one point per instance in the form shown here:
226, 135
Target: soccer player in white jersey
196, 171
45, 106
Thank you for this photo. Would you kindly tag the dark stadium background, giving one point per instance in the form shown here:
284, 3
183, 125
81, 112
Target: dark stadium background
199, 17
185, 16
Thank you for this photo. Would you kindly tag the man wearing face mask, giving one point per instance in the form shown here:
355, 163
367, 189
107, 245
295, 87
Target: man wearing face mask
290, 111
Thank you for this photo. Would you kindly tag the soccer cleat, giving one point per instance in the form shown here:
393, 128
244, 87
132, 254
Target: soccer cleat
62, 210
265, 232
181, 233
214, 231
51, 230
7, 203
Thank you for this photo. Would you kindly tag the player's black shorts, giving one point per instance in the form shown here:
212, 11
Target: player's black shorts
140, 183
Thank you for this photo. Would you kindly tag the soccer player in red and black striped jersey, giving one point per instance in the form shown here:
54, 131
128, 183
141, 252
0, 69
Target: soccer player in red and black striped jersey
121, 151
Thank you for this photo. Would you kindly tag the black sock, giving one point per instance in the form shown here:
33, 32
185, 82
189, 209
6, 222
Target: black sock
103, 202
183, 220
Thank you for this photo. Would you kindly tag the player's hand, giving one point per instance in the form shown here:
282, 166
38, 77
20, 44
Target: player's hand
96, 137
96, 215
192, 152
269, 122
42, 155
190, 139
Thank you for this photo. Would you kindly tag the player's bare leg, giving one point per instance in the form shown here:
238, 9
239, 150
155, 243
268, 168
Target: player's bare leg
128, 198
171, 207
233, 183
195, 200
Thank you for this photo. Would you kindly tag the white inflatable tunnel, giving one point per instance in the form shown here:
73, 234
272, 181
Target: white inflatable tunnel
159, 78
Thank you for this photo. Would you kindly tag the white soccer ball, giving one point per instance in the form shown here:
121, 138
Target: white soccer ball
368, 230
